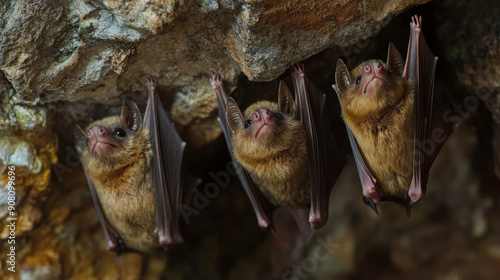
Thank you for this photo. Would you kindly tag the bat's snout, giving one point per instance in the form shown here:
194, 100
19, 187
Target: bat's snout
374, 68
262, 114
100, 140
96, 132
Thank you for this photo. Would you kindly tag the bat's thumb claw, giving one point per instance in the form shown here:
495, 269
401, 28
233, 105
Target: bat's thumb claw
317, 219
408, 209
370, 203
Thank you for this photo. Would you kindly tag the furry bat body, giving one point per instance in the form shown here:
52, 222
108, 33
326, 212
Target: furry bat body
133, 169
388, 109
287, 151
271, 145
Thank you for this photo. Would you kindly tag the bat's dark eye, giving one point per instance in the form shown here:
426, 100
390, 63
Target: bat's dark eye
279, 116
358, 80
120, 132
247, 123
389, 73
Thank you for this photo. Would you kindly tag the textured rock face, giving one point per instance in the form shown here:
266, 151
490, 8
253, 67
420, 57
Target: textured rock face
473, 52
474, 49
69, 50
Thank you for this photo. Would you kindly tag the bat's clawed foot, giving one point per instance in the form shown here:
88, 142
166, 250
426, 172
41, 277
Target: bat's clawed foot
370, 203
151, 83
298, 70
216, 82
416, 23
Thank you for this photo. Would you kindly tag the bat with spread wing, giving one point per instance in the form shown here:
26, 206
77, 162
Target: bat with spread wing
390, 116
133, 169
284, 153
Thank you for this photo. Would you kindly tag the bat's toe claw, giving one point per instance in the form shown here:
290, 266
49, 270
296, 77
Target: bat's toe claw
215, 81
370, 203
416, 23
298, 70
151, 83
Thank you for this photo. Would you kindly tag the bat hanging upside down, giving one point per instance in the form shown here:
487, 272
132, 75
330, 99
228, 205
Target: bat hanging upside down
271, 144
133, 169
287, 152
388, 109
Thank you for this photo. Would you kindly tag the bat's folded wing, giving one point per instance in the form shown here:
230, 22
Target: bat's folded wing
368, 182
114, 242
325, 161
168, 149
420, 69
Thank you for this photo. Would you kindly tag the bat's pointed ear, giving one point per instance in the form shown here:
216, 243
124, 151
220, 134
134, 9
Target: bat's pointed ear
342, 77
285, 100
233, 115
131, 116
395, 60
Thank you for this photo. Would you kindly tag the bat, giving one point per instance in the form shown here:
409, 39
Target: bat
284, 153
389, 114
133, 169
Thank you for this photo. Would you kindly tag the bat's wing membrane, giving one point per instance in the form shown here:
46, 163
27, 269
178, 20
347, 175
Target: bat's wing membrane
420, 69
168, 149
325, 162
114, 242
368, 181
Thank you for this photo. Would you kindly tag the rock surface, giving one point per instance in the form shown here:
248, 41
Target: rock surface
98, 49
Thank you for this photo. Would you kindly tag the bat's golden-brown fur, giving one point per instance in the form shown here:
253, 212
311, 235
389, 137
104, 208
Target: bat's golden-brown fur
278, 165
382, 124
123, 183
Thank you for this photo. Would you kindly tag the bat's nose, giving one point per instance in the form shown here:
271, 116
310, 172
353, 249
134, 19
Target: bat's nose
262, 114
374, 67
96, 131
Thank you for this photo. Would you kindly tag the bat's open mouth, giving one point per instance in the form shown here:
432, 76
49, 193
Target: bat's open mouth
105, 146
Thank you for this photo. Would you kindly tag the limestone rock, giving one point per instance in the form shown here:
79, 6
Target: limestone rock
70, 50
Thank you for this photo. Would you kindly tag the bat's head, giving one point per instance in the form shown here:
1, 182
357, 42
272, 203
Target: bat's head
262, 130
372, 86
114, 141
